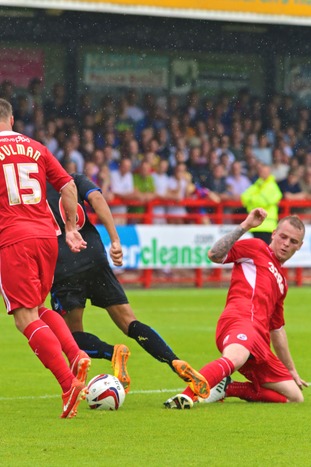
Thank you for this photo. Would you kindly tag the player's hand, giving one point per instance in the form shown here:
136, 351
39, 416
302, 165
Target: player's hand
300, 382
75, 241
116, 253
255, 218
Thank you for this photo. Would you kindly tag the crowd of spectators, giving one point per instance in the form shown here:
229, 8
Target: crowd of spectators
140, 147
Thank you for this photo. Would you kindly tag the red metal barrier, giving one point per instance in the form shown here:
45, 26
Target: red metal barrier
199, 211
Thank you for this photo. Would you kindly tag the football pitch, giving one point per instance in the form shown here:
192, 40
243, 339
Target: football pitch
142, 432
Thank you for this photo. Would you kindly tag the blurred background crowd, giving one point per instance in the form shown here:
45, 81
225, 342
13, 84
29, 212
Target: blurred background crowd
143, 147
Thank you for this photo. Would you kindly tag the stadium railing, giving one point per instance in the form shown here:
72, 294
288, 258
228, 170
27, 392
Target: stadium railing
198, 211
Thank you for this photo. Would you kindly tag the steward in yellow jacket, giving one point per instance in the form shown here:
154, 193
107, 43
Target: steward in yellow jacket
264, 193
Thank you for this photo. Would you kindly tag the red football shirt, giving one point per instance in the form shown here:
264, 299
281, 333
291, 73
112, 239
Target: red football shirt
25, 165
258, 286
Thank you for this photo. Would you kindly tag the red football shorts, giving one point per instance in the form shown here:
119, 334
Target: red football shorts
262, 366
26, 272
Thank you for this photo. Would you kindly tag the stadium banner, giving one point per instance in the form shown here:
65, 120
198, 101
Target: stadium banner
20, 65
125, 70
274, 11
158, 247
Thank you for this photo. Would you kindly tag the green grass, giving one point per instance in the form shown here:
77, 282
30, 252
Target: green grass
143, 433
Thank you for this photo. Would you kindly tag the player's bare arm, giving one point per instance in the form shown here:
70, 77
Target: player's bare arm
220, 249
281, 348
69, 200
100, 206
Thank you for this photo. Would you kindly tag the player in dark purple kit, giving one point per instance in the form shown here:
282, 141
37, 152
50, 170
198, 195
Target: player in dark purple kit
90, 276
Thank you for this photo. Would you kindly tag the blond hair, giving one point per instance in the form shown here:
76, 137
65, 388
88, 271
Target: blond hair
6, 110
295, 221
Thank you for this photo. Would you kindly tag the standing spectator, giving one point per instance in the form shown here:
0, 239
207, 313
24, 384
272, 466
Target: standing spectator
263, 193
28, 241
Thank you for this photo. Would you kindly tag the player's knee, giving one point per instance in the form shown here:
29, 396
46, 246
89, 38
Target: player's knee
296, 397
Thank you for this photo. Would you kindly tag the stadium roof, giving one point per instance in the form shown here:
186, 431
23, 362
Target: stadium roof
294, 12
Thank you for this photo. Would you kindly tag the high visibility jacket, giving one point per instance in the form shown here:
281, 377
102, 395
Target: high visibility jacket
263, 194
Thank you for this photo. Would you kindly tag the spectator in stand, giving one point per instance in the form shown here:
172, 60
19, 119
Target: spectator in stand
305, 182
132, 151
224, 147
8, 92
181, 187
266, 194
50, 140
134, 111
161, 183
236, 182
91, 171
198, 169
34, 94
263, 151
87, 145
279, 169
57, 106
162, 136
144, 188
22, 113
217, 184
104, 182
122, 186
236, 142
70, 153
290, 186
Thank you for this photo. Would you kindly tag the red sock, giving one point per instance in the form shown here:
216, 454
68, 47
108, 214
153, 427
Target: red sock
61, 331
214, 372
247, 392
46, 346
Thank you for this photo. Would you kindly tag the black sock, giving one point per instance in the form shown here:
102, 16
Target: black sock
93, 346
150, 341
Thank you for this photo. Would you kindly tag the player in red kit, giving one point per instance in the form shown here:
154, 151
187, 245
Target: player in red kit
253, 318
28, 253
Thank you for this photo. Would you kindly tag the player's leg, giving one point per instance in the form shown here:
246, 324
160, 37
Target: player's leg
215, 372
123, 316
269, 381
288, 389
68, 299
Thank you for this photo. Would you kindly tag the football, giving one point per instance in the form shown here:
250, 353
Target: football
105, 392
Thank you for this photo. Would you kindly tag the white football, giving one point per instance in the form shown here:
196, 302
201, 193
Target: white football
105, 392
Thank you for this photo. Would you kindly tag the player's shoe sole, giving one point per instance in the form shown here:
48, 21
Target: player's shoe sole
72, 398
193, 378
80, 366
119, 359
179, 402
218, 392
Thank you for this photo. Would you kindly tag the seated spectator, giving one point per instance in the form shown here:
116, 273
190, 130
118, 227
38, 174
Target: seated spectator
236, 182
279, 169
104, 182
181, 187
263, 151
305, 182
122, 186
50, 140
161, 183
70, 153
290, 186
